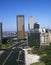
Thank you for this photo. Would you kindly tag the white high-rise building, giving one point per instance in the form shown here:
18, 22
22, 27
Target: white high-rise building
31, 23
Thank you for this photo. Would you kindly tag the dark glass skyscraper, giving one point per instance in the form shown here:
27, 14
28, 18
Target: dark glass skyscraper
36, 26
0, 33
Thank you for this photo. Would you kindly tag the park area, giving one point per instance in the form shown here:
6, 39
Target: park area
44, 53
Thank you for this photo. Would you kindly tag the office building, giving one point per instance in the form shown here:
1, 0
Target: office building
45, 38
20, 27
36, 25
42, 30
34, 39
33, 34
31, 23
0, 33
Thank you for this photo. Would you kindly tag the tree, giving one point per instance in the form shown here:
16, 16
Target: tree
44, 59
0, 46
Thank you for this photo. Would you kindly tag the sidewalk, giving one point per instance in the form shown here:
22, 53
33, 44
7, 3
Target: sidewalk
30, 58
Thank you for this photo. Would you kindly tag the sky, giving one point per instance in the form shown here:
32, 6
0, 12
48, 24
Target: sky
39, 9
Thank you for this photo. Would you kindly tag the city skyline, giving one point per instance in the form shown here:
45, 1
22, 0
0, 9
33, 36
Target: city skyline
39, 9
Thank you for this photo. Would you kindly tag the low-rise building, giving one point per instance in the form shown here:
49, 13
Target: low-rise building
45, 38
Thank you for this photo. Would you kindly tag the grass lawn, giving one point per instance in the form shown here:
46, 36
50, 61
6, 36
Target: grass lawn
5, 46
30, 52
38, 63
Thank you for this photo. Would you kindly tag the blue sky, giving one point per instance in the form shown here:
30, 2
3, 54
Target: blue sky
39, 9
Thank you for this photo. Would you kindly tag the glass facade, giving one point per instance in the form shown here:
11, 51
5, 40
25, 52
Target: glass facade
34, 39
0, 33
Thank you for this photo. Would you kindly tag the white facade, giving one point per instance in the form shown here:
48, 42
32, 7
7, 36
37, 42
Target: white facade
42, 30
31, 23
45, 39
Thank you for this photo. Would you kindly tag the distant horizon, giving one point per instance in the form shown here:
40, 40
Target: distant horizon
12, 31
39, 9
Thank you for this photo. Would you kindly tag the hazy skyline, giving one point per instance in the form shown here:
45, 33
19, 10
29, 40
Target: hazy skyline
39, 9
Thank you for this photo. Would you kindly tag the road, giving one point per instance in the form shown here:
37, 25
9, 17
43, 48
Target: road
13, 57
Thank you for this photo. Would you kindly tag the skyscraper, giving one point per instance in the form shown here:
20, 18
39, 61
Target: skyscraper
34, 39
36, 25
31, 23
20, 27
0, 33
